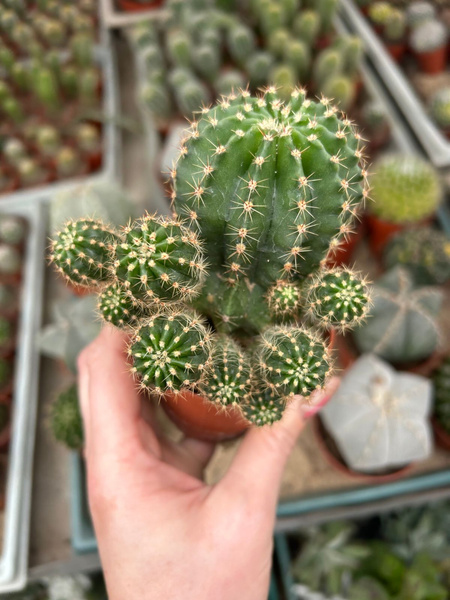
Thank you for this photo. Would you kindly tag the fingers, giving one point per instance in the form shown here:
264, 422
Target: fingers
190, 456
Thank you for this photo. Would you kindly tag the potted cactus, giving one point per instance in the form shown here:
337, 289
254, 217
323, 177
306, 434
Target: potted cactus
440, 109
406, 193
394, 34
378, 419
65, 419
428, 41
379, 13
7, 337
243, 230
441, 418
376, 125
419, 12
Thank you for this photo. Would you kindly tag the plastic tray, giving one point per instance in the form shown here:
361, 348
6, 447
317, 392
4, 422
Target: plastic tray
14, 556
115, 18
111, 139
430, 137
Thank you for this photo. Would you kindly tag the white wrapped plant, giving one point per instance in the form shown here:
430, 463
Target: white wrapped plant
379, 417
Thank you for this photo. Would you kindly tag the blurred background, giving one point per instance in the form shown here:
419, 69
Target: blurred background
94, 98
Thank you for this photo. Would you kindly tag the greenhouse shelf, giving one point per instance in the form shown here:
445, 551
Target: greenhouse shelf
14, 553
110, 137
434, 143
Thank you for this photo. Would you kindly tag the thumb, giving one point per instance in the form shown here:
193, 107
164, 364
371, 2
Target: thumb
258, 466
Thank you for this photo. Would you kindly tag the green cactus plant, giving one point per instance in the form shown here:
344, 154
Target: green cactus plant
327, 10
156, 98
285, 79
380, 12
374, 116
119, 308
179, 47
395, 27
171, 352
297, 54
230, 81
12, 229
441, 383
80, 252
10, 260
190, 96
259, 66
87, 137
425, 252
264, 408
327, 64
207, 61
307, 26
285, 300
240, 42
278, 41
341, 90
30, 172
402, 325
440, 108
67, 161
65, 419
405, 189
48, 140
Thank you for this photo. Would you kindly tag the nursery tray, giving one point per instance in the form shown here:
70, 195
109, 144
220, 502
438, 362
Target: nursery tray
110, 138
434, 143
14, 547
113, 18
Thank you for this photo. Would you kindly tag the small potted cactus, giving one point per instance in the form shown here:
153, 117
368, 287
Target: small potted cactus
429, 44
244, 232
378, 421
88, 141
376, 125
379, 13
394, 34
13, 230
406, 193
65, 419
424, 251
441, 417
440, 109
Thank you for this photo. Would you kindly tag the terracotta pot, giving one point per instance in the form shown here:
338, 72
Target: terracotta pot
79, 290
380, 232
94, 161
323, 41
202, 420
441, 436
334, 459
343, 254
396, 50
131, 6
432, 62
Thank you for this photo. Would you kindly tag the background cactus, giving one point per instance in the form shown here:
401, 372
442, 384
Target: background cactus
441, 383
12, 229
285, 301
425, 252
440, 108
420, 12
405, 189
10, 260
307, 26
394, 30
80, 252
402, 322
428, 36
65, 419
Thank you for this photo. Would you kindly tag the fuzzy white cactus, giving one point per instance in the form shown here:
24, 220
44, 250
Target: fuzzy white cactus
379, 417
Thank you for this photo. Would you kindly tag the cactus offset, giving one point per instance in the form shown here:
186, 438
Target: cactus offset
159, 260
264, 408
241, 42
228, 381
171, 352
307, 26
81, 252
284, 300
118, 308
337, 298
258, 68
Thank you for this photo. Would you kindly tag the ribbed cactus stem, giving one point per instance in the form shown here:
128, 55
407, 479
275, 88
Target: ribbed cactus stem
284, 300
171, 352
118, 308
264, 408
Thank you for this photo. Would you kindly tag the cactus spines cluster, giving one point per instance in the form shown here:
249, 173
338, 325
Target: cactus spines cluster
293, 360
228, 381
405, 189
65, 419
302, 150
284, 300
337, 298
159, 260
81, 252
118, 308
264, 408
440, 108
171, 352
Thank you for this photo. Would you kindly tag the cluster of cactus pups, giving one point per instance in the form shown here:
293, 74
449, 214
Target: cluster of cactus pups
195, 56
230, 296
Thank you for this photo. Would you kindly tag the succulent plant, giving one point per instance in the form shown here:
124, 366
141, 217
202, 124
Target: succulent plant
156, 98
337, 298
379, 417
327, 64
352, 51
307, 26
284, 79
395, 27
441, 383
228, 382
14, 150
278, 41
374, 115
13, 110
419, 12
5, 372
428, 36
240, 42
402, 324
82, 49
341, 90
405, 189
440, 108
171, 351
118, 308
179, 47
207, 61
67, 162
45, 87
30, 171
48, 140
263, 407
327, 10
298, 56
87, 137
12, 229
65, 419
191, 95
10, 260
80, 252
425, 252
230, 81
380, 12
285, 300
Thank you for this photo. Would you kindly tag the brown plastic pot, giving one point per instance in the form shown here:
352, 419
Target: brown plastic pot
380, 232
432, 62
396, 50
441, 436
130, 6
334, 459
200, 419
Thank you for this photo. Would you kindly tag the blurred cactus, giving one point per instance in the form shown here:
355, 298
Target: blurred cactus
65, 419
87, 137
179, 48
428, 36
156, 98
67, 162
298, 55
12, 230
327, 64
241, 42
340, 90
380, 13
207, 61
395, 27
259, 66
48, 140
285, 79
230, 81
327, 10
307, 26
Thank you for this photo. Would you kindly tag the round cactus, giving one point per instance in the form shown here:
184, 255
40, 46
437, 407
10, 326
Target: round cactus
12, 229
67, 162
278, 42
81, 252
191, 96
337, 298
230, 81
229, 378
285, 79
428, 36
157, 99
380, 12
284, 181
298, 55
241, 42
440, 108
292, 360
374, 115
159, 260
419, 12
405, 189
14, 150
207, 61
441, 382
170, 352
65, 419
284, 300
179, 47
29, 171
10, 260
118, 308
13, 110
328, 63
307, 26
425, 252
87, 137
48, 140
264, 408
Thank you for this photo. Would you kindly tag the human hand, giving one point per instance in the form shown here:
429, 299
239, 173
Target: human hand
162, 532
